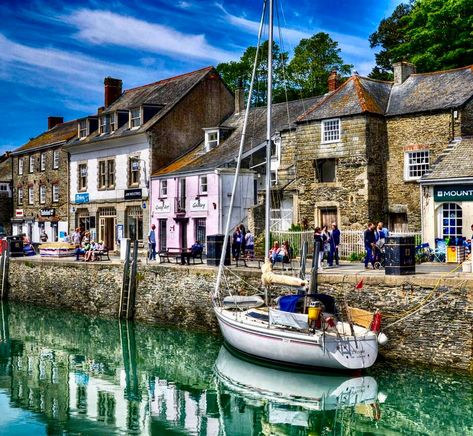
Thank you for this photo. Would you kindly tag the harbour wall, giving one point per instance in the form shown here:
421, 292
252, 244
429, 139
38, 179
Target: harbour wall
437, 332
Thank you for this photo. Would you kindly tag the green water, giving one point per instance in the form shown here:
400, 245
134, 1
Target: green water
63, 373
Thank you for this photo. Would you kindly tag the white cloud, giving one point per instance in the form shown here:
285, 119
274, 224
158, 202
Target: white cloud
184, 5
107, 28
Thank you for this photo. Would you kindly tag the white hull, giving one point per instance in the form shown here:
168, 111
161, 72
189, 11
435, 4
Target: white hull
298, 348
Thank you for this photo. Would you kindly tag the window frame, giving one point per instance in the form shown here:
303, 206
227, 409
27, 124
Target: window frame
447, 221
317, 173
132, 119
202, 185
323, 131
21, 165
105, 124
55, 193
212, 143
31, 163
30, 195
82, 179
42, 161
415, 166
42, 194
163, 189
103, 175
83, 130
20, 196
134, 173
110, 174
55, 159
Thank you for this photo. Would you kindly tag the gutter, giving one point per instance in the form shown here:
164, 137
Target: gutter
449, 181
39, 147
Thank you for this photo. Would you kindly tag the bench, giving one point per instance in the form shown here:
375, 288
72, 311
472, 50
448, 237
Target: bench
98, 254
187, 255
164, 256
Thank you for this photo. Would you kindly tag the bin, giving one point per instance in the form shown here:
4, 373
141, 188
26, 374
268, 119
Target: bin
16, 246
400, 255
214, 250
455, 254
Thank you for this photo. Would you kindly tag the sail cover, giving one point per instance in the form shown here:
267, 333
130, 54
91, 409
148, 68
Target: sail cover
298, 321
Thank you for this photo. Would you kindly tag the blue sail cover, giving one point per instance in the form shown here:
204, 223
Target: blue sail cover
288, 302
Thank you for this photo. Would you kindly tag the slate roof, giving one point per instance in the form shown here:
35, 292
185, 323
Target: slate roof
5, 167
432, 91
355, 96
60, 133
166, 93
197, 160
455, 164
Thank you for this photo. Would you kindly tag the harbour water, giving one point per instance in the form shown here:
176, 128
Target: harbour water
65, 373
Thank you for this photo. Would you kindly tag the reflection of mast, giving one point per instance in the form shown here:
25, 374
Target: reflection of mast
132, 389
4, 333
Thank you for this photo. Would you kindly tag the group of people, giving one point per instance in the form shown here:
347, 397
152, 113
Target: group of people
86, 246
328, 241
280, 253
243, 243
374, 239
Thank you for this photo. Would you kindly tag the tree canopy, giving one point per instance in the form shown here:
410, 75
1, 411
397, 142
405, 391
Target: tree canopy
432, 34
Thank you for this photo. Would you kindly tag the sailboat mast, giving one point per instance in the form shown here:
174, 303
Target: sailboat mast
268, 132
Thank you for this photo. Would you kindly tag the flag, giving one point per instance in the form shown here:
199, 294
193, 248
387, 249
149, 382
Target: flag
359, 285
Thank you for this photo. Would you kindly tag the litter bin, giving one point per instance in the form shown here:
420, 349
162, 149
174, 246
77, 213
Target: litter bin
214, 250
16, 246
400, 255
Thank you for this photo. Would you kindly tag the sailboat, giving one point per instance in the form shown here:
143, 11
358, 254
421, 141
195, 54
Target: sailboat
300, 329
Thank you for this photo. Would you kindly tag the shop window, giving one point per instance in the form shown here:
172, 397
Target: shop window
200, 227
134, 216
416, 164
325, 170
452, 220
331, 130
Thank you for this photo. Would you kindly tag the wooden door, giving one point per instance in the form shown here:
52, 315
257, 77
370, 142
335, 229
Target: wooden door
328, 216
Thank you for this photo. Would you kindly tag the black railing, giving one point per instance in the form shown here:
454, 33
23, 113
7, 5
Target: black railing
180, 205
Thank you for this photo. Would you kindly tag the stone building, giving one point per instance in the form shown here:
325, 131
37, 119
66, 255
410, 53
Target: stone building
41, 182
6, 199
138, 131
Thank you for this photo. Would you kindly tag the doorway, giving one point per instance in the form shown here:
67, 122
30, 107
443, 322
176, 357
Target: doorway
163, 245
107, 224
183, 234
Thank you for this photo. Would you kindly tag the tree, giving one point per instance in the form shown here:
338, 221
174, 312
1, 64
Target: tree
314, 59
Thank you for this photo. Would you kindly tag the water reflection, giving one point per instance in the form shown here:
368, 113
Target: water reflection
63, 372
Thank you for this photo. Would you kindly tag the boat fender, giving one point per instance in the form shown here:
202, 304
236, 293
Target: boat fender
382, 339
376, 323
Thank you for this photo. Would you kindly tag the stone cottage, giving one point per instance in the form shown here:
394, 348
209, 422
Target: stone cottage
6, 198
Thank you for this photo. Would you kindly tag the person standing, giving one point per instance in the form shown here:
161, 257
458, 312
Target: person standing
236, 246
370, 243
334, 243
249, 245
243, 238
152, 243
318, 240
43, 237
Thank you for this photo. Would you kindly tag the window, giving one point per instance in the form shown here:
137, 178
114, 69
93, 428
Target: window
200, 230
42, 194
30, 195
331, 130
416, 164
55, 159
135, 118
163, 189
212, 138
203, 185
106, 179
325, 170
82, 128
55, 193
31, 163
42, 161
113, 123
452, 220
133, 171
82, 177
105, 122
3, 187
20, 165
20, 195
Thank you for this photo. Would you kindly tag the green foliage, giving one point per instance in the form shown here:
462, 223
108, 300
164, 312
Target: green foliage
432, 34
295, 228
356, 257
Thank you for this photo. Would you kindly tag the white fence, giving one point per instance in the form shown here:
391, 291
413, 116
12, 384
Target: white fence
351, 241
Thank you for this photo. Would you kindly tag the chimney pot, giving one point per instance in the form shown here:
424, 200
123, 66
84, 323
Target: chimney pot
54, 121
402, 70
112, 90
333, 81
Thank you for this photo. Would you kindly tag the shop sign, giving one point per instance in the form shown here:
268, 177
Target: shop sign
46, 212
82, 198
19, 213
163, 207
133, 194
448, 193
199, 205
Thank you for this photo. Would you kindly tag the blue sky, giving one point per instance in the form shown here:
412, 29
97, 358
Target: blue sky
54, 55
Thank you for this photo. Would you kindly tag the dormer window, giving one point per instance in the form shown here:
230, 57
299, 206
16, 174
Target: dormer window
212, 139
105, 123
83, 129
135, 118
113, 122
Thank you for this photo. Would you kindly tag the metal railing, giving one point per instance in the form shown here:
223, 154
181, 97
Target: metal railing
180, 205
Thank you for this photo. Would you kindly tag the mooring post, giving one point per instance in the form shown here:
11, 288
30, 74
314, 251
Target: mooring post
132, 282
125, 279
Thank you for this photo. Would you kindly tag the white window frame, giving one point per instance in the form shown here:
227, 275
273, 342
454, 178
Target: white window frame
163, 189
20, 196
81, 167
135, 120
105, 124
203, 184
55, 159
31, 164
42, 194
211, 143
412, 163
56, 193
452, 210
83, 129
21, 164
30, 195
131, 161
42, 161
334, 135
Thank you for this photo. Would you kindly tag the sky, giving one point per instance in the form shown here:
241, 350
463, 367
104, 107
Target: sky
54, 55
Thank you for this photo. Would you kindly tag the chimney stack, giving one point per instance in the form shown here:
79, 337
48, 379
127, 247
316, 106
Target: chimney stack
112, 90
402, 70
54, 121
239, 98
333, 81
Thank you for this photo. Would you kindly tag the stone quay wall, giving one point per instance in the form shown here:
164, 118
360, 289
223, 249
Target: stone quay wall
439, 334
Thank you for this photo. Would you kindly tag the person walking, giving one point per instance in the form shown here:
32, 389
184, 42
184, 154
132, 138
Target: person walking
249, 245
370, 243
152, 243
334, 242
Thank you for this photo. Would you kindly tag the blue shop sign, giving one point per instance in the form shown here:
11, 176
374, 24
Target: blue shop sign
82, 198
447, 193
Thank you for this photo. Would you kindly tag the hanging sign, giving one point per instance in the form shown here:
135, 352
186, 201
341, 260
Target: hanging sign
448, 193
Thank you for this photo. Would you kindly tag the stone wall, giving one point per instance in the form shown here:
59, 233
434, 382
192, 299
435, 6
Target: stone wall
439, 334
466, 120
409, 133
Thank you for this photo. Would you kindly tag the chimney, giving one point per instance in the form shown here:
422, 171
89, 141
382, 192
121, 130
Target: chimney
112, 90
54, 121
402, 70
332, 81
239, 98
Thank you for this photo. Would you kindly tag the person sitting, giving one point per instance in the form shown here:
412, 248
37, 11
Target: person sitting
287, 252
195, 251
276, 254
89, 254
83, 249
